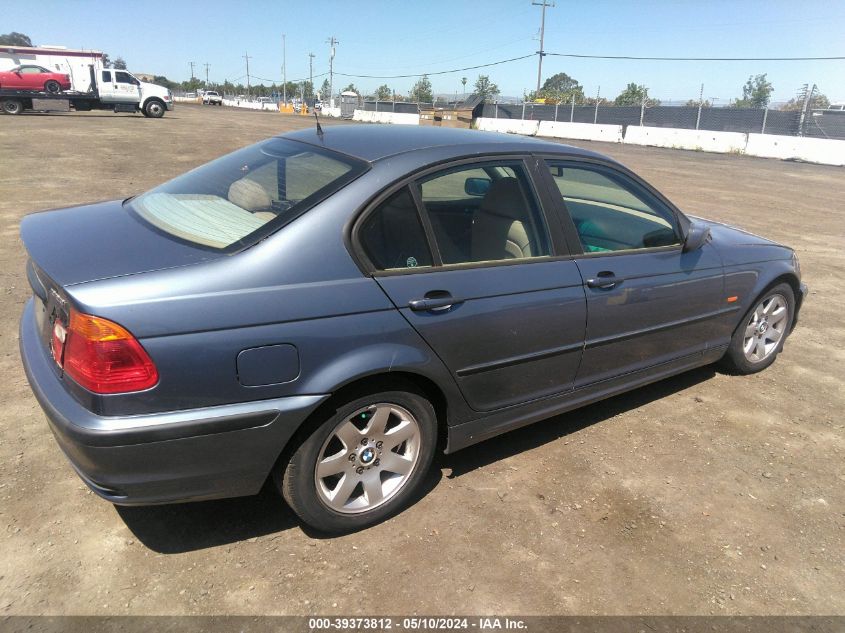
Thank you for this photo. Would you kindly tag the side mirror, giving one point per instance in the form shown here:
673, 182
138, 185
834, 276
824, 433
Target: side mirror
476, 186
697, 235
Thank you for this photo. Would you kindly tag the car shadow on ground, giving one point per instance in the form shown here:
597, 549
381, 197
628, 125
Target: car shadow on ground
186, 527
545, 431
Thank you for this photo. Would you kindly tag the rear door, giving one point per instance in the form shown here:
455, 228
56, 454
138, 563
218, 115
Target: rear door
474, 268
648, 302
118, 86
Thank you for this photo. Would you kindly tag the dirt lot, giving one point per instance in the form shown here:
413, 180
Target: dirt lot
702, 494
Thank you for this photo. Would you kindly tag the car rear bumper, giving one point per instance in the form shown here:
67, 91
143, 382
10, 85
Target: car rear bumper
186, 455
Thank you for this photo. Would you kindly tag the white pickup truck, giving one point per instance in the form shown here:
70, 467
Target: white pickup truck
212, 97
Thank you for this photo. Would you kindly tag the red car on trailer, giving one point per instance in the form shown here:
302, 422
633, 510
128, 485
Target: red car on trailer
33, 77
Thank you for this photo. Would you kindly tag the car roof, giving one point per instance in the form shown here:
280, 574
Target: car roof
374, 142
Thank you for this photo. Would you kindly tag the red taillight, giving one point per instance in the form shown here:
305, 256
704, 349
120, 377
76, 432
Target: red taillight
103, 357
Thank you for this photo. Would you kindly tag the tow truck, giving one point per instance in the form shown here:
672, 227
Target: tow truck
109, 89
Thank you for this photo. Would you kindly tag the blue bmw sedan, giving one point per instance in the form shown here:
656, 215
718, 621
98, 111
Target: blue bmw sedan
328, 309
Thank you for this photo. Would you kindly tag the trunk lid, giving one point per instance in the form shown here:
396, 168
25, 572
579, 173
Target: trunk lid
100, 241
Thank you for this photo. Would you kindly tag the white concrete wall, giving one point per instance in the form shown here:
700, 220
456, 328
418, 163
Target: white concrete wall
702, 140
581, 131
395, 118
814, 150
330, 112
508, 126
249, 105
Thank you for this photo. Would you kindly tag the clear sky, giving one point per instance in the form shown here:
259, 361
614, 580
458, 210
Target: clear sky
416, 36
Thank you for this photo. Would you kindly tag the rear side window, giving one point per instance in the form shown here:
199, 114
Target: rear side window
107, 76
392, 235
232, 201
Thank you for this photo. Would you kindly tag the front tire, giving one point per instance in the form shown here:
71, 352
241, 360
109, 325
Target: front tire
760, 336
154, 109
363, 464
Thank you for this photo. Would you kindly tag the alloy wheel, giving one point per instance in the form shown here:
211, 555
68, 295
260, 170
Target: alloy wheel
368, 458
765, 328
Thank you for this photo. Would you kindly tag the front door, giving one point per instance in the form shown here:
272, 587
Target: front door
648, 301
465, 254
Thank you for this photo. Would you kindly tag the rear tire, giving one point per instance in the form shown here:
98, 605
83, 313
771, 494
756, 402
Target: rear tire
52, 87
12, 106
154, 109
760, 336
363, 464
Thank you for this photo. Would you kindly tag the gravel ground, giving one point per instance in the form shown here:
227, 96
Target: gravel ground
701, 494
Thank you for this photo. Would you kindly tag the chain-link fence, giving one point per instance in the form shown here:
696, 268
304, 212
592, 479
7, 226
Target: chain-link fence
402, 107
814, 123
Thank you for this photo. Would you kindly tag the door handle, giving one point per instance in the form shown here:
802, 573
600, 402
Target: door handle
437, 301
605, 280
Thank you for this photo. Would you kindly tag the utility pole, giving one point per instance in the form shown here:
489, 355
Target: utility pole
192, 70
332, 42
541, 52
808, 97
206, 74
284, 70
700, 105
311, 57
247, 58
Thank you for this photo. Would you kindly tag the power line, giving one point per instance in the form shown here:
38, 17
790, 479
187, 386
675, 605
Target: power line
440, 72
701, 59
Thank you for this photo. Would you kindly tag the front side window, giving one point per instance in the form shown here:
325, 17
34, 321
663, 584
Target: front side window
224, 203
484, 212
122, 77
611, 212
32, 70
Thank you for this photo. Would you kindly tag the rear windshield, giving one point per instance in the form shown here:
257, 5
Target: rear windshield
237, 199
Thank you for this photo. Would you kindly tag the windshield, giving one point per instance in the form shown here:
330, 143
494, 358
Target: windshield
237, 199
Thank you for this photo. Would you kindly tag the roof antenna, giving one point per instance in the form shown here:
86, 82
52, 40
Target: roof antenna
319, 128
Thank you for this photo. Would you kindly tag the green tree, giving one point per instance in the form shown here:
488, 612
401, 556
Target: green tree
383, 93
325, 89
15, 39
119, 64
756, 93
559, 88
485, 88
161, 80
351, 88
635, 95
421, 91
693, 103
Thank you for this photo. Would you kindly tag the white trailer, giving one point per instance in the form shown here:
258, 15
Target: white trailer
63, 60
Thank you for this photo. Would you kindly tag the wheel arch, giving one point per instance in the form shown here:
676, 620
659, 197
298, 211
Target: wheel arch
766, 283
375, 382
